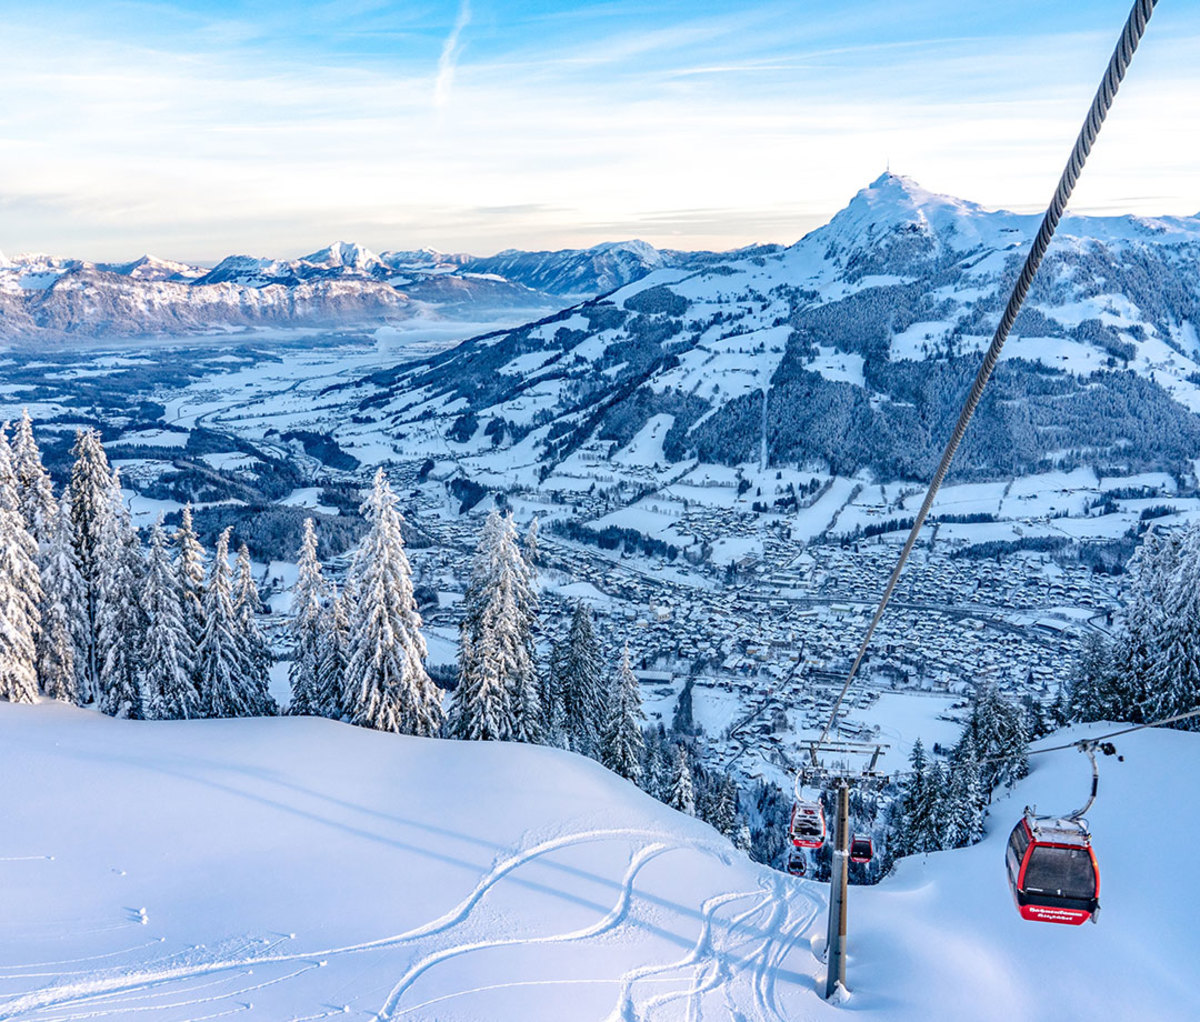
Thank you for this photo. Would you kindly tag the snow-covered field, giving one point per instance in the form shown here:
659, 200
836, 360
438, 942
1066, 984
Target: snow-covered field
291, 869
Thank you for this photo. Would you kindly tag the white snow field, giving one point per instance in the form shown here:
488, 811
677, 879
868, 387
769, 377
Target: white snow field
288, 869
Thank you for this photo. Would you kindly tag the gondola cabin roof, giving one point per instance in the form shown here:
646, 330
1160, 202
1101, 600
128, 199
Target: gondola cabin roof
1059, 832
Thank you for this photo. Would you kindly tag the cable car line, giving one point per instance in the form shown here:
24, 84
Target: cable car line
1131, 35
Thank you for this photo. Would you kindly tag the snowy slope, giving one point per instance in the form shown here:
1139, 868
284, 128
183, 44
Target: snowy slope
299, 865
290, 868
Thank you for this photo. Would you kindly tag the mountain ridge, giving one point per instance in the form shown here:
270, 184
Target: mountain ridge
863, 335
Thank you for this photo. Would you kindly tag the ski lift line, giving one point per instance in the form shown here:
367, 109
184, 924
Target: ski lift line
1131, 35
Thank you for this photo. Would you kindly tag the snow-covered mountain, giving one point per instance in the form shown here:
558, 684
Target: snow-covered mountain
343, 283
49, 299
287, 868
576, 272
864, 335
150, 267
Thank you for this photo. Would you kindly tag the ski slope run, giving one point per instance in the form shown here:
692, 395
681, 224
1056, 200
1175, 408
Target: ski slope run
294, 868
289, 869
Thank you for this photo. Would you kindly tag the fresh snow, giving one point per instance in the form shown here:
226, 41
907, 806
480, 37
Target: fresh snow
296, 868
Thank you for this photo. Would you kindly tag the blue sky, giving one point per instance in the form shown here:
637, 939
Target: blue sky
193, 129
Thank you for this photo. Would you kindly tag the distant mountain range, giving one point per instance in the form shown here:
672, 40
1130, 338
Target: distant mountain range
48, 298
848, 351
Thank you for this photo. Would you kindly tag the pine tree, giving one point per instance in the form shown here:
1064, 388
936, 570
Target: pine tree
225, 692
189, 569
1150, 572
62, 643
683, 795
254, 653
621, 749
912, 807
652, 764
528, 717
553, 720
35, 493
120, 625
997, 727
90, 494
333, 654
20, 592
166, 653
497, 695
1174, 674
1092, 691
531, 550
725, 813
964, 798
387, 686
581, 684
308, 618
933, 822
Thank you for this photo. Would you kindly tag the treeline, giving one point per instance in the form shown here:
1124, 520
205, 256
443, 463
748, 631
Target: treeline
87, 616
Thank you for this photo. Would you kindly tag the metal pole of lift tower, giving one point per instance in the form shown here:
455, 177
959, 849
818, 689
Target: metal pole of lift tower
835, 941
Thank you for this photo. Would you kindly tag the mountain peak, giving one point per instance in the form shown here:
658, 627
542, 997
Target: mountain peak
346, 254
895, 206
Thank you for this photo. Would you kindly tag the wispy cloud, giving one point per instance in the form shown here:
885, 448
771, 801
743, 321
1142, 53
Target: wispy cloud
448, 61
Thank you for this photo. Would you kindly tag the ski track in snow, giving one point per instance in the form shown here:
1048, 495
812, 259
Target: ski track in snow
126, 991
609, 922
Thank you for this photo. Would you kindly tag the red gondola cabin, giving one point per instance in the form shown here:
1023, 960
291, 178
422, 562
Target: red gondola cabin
861, 848
1052, 872
808, 825
797, 865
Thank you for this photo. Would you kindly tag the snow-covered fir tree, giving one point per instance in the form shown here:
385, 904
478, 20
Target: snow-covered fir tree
167, 651
531, 716
580, 684
90, 495
917, 808
61, 644
1093, 690
20, 592
996, 726
553, 721
497, 695
333, 654
387, 686
120, 624
1173, 672
683, 793
253, 651
190, 571
530, 548
725, 812
621, 744
226, 692
35, 493
963, 814
656, 763
309, 595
